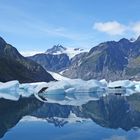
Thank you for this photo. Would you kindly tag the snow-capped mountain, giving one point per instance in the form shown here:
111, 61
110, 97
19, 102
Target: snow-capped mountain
71, 52
57, 58
56, 49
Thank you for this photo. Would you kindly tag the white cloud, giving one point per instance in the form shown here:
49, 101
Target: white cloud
30, 53
135, 27
110, 27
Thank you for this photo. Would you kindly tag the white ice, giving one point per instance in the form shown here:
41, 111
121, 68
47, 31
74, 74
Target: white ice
9, 90
57, 76
71, 52
66, 90
122, 83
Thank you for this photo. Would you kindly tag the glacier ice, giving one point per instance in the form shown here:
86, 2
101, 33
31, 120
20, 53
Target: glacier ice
9, 90
66, 90
73, 85
122, 83
57, 76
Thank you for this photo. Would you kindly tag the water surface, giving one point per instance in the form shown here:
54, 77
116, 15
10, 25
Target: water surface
109, 118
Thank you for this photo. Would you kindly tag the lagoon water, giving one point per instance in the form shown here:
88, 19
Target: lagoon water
112, 117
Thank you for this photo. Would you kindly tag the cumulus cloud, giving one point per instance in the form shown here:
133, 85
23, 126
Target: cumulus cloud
111, 27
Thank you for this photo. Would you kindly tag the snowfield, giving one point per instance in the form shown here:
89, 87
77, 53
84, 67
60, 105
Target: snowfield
71, 52
67, 90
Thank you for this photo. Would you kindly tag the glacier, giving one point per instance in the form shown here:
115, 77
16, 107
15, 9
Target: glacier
67, 91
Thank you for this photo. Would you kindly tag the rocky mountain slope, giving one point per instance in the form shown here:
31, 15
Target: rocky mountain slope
55, 63
13, 66
110, 60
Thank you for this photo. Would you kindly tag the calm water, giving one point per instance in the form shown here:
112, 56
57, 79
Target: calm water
110, 118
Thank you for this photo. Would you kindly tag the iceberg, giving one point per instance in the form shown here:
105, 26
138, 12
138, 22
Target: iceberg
72, 92
71, 86
122, 83
9, 86
10, 90
66, 90
26, 90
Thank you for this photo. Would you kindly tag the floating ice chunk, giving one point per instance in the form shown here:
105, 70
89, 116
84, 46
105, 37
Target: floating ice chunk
71, 98
104, 82
9, 86
122, 83
26, 90
38, 86
56, 97
54, 91
9, 96
70, 87
9, 90
70, 90
129, 92
78, 85
57, 87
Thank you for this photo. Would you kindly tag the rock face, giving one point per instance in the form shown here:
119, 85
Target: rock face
110, 60
13, 66
52, 62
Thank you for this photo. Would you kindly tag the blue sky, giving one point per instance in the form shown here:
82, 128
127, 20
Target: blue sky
35, 25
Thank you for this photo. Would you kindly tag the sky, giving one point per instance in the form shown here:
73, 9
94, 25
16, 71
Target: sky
36, 25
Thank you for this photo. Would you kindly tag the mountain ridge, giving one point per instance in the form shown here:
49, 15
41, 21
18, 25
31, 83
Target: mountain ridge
13, 66
111, 60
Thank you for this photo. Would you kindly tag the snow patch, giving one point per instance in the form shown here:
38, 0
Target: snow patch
71, 52
58, 76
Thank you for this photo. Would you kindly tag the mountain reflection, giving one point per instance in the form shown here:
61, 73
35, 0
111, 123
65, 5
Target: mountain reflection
110, 111
12, 111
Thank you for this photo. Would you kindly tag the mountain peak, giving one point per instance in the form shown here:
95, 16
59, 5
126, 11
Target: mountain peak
70, 52
124, 40
56, 49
